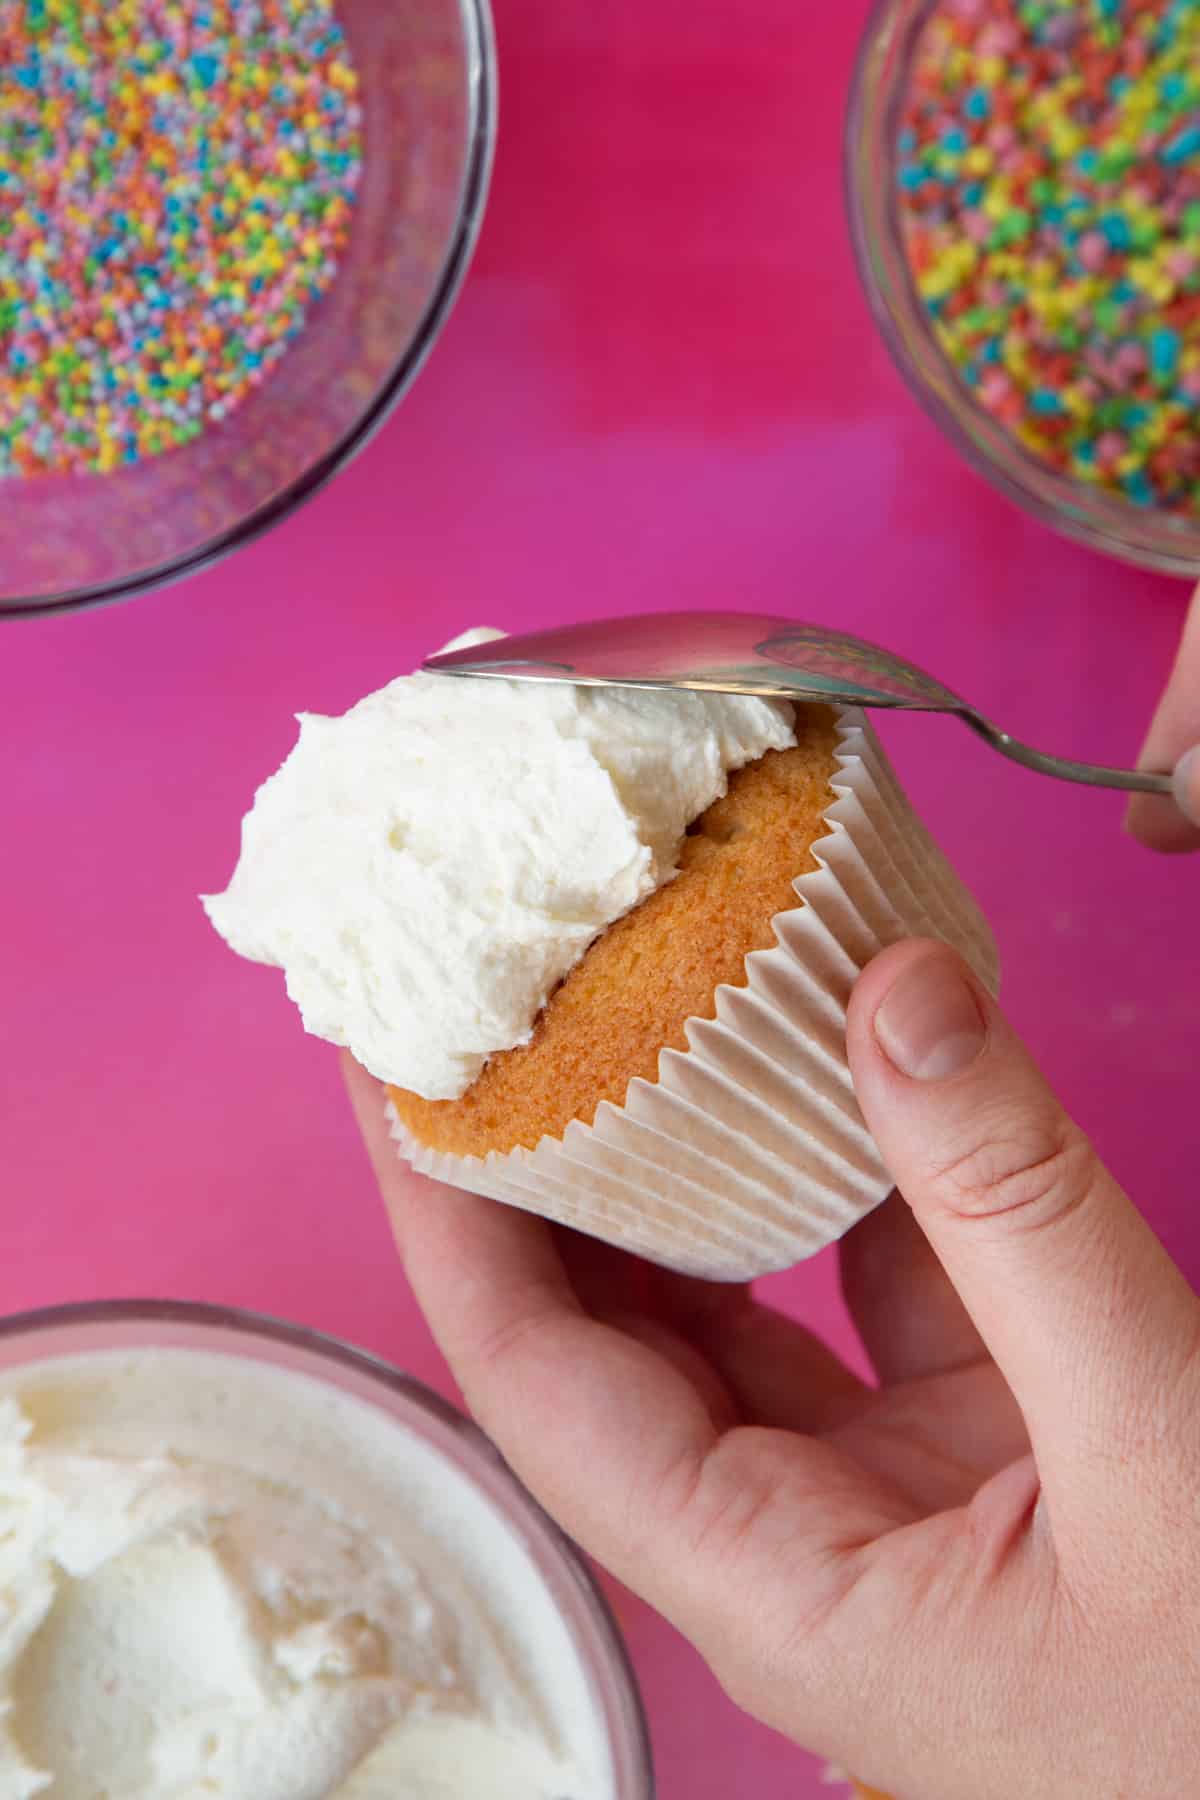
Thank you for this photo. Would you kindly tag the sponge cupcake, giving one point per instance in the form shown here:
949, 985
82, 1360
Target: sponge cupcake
600, 944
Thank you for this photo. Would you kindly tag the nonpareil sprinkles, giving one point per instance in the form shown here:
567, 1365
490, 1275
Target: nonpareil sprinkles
177, 180
1049, 174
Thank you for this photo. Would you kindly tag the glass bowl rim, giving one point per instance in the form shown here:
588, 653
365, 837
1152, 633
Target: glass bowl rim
623, 1711
1114, 530
482, 69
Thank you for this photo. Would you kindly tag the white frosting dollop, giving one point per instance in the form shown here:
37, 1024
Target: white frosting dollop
428, 867
218, 1579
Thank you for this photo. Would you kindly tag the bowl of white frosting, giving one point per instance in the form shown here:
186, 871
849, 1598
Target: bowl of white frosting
245, 1561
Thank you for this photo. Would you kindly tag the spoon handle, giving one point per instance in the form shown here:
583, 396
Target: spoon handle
1138, 781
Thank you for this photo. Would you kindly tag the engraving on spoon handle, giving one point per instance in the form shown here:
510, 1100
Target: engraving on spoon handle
1136, 781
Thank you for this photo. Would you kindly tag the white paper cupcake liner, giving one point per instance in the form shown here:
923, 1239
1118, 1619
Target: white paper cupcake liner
749, 1153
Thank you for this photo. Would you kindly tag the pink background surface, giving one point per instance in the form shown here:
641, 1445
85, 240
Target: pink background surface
660, 388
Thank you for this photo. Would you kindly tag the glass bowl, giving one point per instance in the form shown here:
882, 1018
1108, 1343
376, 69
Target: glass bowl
105, 1327
1152, 539
427, 70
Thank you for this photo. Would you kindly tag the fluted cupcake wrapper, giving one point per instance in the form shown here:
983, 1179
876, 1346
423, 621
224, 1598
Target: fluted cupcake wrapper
749, 1153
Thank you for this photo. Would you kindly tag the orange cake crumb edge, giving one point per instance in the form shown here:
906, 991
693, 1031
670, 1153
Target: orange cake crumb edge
631, 994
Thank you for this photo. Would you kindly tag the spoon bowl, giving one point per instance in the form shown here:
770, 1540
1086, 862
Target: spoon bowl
761, 654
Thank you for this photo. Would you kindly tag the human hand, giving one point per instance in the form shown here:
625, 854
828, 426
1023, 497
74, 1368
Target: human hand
1174, 743
980, 1579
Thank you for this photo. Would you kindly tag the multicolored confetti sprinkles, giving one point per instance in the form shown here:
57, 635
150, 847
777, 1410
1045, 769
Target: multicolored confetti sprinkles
1049, 175
177, 180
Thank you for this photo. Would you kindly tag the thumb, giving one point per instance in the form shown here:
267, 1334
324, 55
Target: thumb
1174, 742
1089, 1320
1187, 785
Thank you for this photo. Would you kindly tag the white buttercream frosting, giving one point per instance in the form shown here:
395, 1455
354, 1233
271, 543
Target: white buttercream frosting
427, 867
218, 1579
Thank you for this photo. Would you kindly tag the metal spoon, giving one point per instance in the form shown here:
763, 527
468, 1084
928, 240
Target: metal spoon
753, 653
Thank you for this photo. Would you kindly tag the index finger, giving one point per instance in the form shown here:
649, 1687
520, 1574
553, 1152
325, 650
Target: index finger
1160, 823
911, 1321
621, 1445
492, 1285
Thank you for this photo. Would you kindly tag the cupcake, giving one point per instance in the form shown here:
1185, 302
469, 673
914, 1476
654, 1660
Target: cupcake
599, 945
